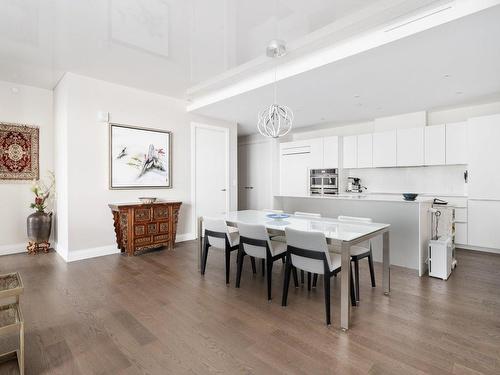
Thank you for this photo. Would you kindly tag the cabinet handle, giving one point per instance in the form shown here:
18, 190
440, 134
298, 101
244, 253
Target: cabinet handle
248, 187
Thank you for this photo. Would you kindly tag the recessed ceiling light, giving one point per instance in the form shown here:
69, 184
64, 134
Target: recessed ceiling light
14, 90
356, 96
459, 92
322, 119
447, 76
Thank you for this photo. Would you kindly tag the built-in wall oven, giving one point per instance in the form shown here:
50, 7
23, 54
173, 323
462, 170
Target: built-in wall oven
323, 182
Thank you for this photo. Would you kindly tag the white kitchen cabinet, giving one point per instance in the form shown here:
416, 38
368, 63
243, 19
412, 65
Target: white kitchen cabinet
331, 152
410, 147
456, 143
435, 145
483, 136
483, 219
349, 152
254, 176
365, 151
384, 149
296, 159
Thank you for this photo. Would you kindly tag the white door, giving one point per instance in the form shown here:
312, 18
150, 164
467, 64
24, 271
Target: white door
365, 151
211, 190
456, 143
331, 152
435, 145
410, 147
384, 149
484, 216
254, 176
349, 152
484, 159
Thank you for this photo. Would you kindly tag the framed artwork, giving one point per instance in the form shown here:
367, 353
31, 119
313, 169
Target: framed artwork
18, 152
139, 158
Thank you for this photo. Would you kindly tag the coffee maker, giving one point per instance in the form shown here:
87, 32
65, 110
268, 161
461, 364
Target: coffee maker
354, 185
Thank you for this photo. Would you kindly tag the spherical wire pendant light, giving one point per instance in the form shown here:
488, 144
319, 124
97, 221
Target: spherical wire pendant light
276, 120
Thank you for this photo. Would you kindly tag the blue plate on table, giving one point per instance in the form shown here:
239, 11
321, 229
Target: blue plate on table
277, 216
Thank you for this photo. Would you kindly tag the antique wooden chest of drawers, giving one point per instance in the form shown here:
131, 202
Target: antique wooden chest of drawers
145, 226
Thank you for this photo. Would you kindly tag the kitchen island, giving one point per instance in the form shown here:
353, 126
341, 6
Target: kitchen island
410, 221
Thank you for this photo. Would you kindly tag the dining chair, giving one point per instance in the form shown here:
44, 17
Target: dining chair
219, 236
255, 242
310, 215
308, 251
358, 252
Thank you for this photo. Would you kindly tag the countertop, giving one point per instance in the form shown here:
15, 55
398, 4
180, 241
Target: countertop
369, 197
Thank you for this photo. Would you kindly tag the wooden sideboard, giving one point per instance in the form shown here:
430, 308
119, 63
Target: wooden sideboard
145, 226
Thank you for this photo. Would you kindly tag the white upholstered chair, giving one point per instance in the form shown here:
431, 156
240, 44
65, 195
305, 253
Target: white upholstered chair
218, 235
255, 242
308, 251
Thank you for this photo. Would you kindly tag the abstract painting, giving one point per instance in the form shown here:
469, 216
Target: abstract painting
140, 158
18, 152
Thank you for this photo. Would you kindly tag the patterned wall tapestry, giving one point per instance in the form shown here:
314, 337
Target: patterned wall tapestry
18, 152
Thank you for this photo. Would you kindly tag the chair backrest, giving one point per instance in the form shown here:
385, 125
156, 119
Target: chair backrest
306, 214
355, 219
311, 242
218, 226
254, 232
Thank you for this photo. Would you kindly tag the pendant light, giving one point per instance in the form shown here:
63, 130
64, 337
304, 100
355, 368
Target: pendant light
275, 120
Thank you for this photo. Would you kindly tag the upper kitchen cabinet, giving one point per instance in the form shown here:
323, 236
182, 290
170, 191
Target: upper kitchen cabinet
456, 143
384, 149
331, 152
435, 145
410, 147
349, 152
484, 159
365, 151
296, 158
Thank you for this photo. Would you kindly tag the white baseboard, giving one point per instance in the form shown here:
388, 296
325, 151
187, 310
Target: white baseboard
94, 252
13, 249
478, 248
185, 237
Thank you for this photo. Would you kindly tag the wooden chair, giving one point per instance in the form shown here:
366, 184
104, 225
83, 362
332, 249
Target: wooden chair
308, 251
255, 242
219, 236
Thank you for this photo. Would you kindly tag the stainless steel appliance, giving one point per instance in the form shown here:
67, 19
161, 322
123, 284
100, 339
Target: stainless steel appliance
323, 182
354, 185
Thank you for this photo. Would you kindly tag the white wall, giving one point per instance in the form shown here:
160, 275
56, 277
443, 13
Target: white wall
33, 106
90, 230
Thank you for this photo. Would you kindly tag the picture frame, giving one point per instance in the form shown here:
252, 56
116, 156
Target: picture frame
139, 157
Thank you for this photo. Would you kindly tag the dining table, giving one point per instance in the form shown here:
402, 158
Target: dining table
340, 234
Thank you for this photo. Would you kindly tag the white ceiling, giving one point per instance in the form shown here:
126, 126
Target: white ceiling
449, 65
162, 46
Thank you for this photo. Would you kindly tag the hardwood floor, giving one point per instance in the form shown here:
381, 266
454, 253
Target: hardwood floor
155, 314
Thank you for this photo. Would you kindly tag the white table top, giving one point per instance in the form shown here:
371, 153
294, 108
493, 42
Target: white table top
332, 228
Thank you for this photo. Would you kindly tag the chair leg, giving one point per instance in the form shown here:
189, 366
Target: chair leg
372, 272
356, 278
228, 261
205, 255
263, 267
353, 292
254, 268
241, 255
269, 264
315, 280
295, 277
302, 276
288, 271
309, 281
326, 282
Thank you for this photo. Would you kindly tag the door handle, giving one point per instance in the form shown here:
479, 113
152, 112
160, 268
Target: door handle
248, 187
222, 189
